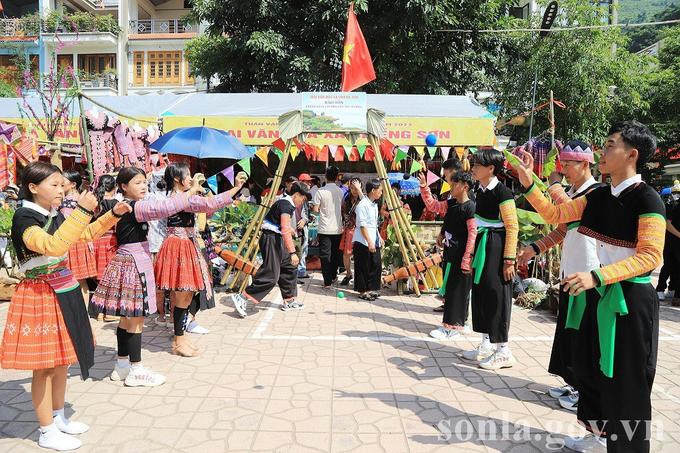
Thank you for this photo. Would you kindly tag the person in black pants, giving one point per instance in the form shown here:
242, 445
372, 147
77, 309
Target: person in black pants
328, 204
367, 243
670, 252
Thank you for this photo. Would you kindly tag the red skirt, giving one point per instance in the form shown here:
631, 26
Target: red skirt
178, 267
104, 250
81, 261
346, 241
35, 336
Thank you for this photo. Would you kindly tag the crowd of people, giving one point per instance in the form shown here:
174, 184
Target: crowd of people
145, 242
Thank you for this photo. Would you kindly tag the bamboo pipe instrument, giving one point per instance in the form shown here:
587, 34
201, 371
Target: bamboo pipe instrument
236, 261
413, 268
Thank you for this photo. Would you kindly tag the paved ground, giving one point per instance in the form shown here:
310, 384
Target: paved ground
343, 375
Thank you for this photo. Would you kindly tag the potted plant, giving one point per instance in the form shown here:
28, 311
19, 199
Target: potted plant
231, 222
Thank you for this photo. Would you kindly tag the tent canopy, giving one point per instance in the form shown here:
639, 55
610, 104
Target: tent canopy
253, 117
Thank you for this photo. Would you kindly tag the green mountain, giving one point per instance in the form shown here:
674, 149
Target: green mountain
642, 10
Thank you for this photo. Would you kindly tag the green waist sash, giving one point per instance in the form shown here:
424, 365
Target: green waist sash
480, 252
612, 302
573, 225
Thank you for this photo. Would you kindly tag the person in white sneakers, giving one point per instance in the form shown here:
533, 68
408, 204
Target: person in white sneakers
279, 259
579, 254
458, 237
494, 262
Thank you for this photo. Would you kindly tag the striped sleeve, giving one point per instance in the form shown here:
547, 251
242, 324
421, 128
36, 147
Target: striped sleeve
557, 193
509, 216
148, 210
569, 211
438, 207
470, 244
100, 226
556, 237
287, 233
209, 205
648, 255
57, 244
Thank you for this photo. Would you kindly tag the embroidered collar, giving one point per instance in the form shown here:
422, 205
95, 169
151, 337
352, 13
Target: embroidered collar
494, 182
616, 191
40, 209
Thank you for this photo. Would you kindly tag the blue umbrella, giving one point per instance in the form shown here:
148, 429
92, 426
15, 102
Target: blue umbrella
202, 142
409, 184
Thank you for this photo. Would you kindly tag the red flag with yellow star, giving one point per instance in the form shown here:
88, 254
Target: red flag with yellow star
357, 67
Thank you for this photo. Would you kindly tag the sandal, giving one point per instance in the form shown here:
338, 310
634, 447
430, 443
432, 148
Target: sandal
345, 281
439, 309
367, 297
176, 351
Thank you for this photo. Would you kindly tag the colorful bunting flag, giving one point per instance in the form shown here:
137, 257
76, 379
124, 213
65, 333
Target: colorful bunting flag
431, 151
415, 166
280, 144
229, 174
432, 178
354, 156
338, 153
212, 183
262, 154
473, 149
347, 150
369, 154
279, 153
294, 150
401, 155
445, 152
362, 150
445, 188
460, 150
387, 149
9, 133
245, 164
323, 154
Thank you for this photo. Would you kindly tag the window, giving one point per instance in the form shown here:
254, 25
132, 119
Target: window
139, 68
164, 69
96, 63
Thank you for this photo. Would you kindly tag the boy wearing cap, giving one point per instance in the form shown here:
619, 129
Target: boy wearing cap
579, 254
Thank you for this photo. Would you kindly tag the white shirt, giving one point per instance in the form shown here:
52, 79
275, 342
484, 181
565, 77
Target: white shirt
579, 252
367, 216
313, 191
610, 254
482, 223
42, 260
329, 200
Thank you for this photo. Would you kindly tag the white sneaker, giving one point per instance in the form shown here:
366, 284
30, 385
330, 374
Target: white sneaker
120, 373
570, 402
496, 361
56, 440
559, 392
478, 354
240, 303
292, 305
589, 443
193, 327
143, 377
466, 330
70, 427
662, 295
444, 333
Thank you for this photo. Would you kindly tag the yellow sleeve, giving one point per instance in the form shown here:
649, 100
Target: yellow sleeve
557, 193
569, 211
509, 216
100, 226
202, 220
62, 240
648, 255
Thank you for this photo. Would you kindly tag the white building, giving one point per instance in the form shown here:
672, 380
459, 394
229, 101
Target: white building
121, 47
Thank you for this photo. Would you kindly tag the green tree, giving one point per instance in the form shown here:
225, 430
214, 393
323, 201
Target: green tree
296, 45
663, 116
597, 85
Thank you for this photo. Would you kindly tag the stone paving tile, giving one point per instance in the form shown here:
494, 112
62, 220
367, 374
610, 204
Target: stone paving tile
344, 375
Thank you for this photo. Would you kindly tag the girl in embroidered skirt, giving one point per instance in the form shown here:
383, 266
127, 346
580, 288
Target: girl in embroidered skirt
349, 207
81, 258
47, 324
180, 266
127, 288
105, 247
458, 236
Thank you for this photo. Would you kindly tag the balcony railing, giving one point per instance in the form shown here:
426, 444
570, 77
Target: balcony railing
20, 27
149, 26
58, 22
105, 80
